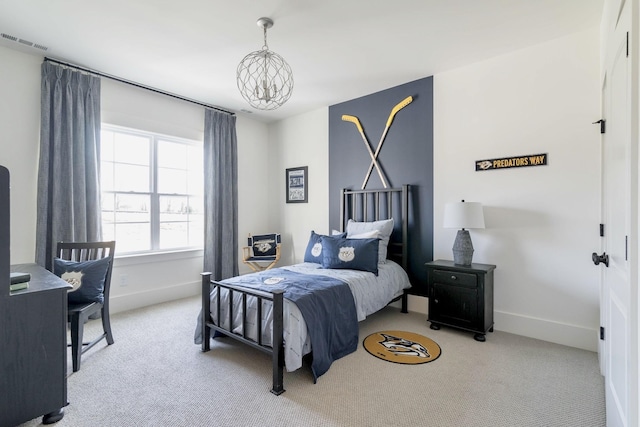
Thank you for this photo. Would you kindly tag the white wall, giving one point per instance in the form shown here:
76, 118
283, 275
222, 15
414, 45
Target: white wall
542, 222
254, 178
300, 141
19, 139
137, 280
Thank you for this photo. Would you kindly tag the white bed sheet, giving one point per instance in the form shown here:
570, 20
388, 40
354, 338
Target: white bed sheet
371, 293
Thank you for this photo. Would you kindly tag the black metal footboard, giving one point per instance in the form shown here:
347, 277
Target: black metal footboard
276, 297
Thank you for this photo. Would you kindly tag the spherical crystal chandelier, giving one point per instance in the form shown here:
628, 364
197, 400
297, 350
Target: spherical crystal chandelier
264, 78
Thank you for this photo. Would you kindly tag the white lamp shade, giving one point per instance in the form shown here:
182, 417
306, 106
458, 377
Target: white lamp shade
463, 215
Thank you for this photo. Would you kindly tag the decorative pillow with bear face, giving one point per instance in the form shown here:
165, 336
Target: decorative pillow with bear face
352, 254
87, 279
314, 247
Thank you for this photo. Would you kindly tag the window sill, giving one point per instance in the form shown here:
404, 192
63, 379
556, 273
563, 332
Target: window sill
156, 257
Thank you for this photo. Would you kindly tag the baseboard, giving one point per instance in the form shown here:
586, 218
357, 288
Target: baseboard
532, 327
153, 296
547, 330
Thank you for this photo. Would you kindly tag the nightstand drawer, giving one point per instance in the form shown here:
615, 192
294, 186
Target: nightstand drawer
455, 278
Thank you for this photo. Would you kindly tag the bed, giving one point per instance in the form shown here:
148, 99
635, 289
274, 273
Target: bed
315, 306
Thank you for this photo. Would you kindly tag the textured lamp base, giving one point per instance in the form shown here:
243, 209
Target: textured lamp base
462, 248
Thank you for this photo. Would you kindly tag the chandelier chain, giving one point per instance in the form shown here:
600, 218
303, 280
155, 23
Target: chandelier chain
265, 46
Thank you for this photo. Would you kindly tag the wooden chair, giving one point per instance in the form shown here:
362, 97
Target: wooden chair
262, 252
79, 314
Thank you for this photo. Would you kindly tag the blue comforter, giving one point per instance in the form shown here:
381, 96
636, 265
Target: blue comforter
327, 306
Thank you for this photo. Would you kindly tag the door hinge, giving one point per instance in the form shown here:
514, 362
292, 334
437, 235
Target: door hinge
602, 333
627, 44
602, 124
601, 230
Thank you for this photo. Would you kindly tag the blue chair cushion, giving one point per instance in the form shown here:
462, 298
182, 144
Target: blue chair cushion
86, 277
353, 254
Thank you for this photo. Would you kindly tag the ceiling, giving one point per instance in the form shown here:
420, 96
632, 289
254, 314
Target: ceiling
338, 49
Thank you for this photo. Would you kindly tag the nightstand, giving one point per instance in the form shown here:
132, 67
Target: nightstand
461, 296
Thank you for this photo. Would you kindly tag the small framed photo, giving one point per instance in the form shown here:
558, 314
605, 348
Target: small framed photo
297, 185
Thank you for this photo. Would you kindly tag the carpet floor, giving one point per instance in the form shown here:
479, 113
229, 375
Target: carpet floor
154, 375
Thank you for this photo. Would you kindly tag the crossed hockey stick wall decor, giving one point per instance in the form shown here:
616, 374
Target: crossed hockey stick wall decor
374, 156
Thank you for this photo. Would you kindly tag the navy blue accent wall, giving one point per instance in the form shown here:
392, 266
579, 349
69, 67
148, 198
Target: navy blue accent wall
406, 157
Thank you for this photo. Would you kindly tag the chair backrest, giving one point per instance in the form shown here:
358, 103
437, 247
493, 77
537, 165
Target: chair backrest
264, 245
88, 251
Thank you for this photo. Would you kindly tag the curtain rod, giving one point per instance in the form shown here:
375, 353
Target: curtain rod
129, 82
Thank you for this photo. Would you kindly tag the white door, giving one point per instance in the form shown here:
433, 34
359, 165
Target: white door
616, 209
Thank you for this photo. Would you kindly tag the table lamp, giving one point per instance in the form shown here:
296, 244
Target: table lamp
463, 215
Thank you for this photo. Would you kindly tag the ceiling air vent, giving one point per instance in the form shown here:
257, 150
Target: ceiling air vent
24, 42
7, 36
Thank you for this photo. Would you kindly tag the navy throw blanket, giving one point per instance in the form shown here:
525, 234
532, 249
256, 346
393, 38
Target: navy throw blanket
327, 306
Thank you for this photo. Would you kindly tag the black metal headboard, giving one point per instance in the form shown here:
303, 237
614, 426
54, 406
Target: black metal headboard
375, 205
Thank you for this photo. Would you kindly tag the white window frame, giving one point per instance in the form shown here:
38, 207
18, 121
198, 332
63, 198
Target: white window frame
154, 195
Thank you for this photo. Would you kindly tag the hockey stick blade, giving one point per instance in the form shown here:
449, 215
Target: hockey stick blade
408, 100
354, 120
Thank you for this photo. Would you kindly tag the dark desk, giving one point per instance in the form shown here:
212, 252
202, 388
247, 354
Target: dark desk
33, 359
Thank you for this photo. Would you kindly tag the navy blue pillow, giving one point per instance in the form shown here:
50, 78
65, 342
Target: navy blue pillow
314, 247
86, 277
353, 254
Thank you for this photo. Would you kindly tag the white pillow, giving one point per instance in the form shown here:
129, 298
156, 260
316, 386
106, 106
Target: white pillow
373, 234
384, 229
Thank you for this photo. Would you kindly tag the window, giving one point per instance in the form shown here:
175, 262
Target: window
152, 191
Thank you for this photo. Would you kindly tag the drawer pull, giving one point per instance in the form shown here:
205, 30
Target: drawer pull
454, 278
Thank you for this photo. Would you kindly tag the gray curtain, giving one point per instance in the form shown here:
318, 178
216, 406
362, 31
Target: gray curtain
220, 195
69, 168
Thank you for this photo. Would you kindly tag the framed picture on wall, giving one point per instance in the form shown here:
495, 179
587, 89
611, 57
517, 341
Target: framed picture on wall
296, 184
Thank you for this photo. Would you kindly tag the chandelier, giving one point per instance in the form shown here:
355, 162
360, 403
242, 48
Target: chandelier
264, 78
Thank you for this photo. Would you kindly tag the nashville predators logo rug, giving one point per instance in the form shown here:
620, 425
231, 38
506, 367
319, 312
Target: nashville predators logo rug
402, 347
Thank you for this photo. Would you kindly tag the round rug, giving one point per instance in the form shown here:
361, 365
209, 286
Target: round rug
403, 347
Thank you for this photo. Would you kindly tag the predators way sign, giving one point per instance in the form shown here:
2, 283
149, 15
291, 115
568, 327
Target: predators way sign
512, 162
